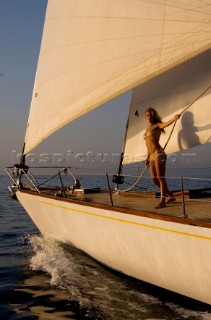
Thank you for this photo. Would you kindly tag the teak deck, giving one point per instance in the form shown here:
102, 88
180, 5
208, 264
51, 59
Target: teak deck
197, 210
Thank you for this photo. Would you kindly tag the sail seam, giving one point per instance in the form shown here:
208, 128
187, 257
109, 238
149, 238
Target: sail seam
44, 52
118, 58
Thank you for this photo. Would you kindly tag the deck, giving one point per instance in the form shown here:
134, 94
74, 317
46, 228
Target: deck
198, 209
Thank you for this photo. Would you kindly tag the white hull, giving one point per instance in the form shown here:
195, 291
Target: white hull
171, 255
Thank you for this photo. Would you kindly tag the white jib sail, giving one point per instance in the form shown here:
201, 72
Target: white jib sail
92, 51
169, 94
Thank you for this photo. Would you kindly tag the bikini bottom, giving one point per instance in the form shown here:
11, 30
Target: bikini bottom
161, 154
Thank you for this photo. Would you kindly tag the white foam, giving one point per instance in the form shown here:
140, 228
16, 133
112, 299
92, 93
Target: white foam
189, 314
97, 288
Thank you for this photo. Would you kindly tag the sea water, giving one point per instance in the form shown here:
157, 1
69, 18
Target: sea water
43, 279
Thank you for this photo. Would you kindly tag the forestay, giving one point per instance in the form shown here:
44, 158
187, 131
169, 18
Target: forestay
92, 51
169, 94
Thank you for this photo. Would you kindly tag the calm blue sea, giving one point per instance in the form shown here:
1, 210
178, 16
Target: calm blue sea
48, 280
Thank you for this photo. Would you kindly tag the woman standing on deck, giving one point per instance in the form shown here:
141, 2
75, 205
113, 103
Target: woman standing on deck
156, 157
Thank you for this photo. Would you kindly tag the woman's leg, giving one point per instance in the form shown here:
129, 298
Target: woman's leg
157, 181
153, 173
160, 166
157, 168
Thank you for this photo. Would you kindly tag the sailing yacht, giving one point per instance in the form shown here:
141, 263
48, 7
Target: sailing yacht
92, 52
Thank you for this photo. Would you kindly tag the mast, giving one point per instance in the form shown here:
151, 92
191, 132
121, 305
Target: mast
23, 157
123, 149
118, 177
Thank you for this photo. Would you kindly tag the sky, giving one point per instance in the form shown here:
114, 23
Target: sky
94, 139
21, 23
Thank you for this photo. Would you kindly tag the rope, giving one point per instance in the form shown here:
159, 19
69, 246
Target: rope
185, 109
137, 180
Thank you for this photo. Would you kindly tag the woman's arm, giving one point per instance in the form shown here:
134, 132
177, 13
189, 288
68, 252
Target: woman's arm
163, 125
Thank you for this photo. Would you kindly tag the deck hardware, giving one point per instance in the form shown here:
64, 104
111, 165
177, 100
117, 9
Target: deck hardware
109, 190
183, 198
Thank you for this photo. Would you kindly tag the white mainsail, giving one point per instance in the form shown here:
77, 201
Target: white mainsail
92, 51
172, 93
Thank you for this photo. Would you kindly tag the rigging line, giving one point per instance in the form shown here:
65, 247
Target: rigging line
185, 109
196, 99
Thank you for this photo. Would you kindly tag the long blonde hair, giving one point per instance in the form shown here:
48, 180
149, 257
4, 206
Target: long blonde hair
155, 117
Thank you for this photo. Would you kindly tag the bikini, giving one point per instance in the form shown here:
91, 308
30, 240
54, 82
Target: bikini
150, 134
